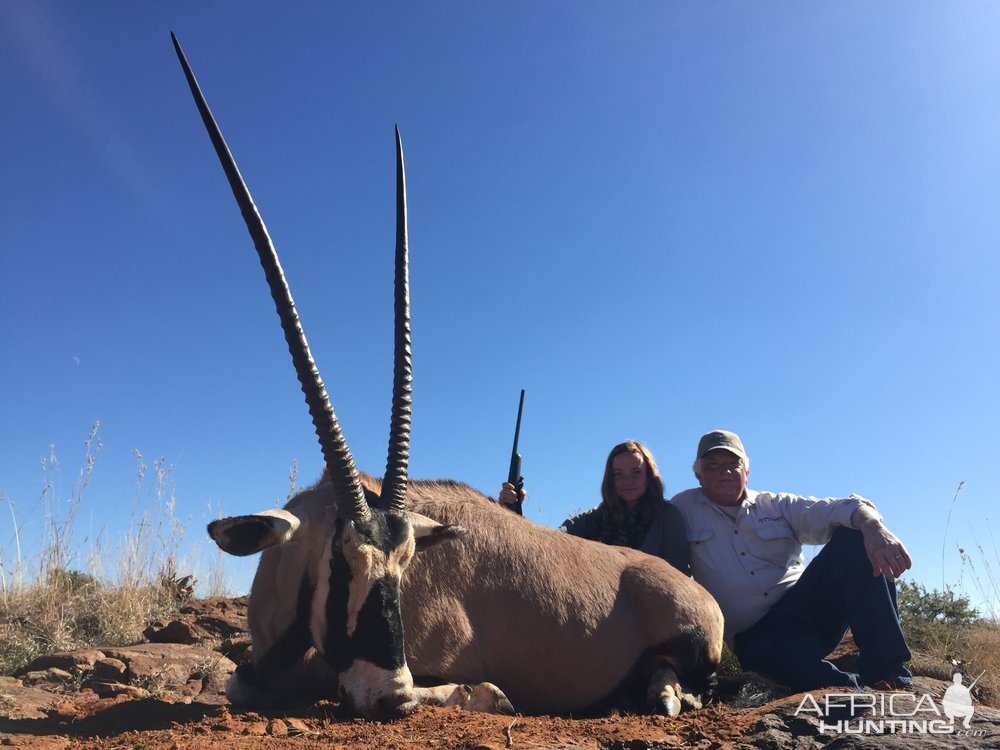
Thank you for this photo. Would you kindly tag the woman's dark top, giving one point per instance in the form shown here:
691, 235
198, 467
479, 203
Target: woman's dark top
664, 536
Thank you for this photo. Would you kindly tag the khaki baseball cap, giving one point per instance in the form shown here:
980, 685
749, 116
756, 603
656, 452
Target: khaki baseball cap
723, 439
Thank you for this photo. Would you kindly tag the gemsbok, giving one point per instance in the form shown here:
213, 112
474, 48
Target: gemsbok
562, 624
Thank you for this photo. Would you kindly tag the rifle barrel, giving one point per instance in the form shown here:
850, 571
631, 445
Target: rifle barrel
517, 427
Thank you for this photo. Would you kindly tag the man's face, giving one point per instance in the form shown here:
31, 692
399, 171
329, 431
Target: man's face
723, 477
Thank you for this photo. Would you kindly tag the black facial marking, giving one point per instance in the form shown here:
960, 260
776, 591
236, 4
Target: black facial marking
397, 528
378, 637
292, 644
336, 645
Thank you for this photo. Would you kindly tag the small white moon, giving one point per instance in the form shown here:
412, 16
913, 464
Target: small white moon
76, 361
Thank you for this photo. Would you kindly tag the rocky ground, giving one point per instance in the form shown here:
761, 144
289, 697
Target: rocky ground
168, 693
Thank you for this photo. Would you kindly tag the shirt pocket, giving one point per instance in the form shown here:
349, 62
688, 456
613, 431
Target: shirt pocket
699, 536
775, 543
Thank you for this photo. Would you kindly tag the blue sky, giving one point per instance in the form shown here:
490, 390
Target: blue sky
658, 218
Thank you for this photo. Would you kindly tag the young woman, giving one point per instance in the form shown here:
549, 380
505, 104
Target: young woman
632, 512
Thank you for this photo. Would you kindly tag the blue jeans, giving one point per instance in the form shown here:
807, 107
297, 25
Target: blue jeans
836, 590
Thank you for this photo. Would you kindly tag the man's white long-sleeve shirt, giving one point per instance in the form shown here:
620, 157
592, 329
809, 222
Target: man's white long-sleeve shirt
748, 560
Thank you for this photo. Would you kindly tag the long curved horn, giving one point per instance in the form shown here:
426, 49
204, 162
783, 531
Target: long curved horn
394, 484
340, 465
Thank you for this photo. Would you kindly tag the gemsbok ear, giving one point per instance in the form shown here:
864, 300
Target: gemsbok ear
245, 535
427, 532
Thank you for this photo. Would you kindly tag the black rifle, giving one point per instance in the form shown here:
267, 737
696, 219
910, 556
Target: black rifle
514, 473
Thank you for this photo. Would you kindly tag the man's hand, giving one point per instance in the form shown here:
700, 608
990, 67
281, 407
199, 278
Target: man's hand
886, 552
509, 495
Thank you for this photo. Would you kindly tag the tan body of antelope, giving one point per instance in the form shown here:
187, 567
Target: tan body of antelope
562, 623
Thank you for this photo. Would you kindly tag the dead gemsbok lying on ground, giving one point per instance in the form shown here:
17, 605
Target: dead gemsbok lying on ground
561, 623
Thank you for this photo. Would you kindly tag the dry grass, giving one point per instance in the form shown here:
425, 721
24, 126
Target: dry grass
977, 657
210, 665
53, 606
61, 615
971, 648
984, 645
944, 630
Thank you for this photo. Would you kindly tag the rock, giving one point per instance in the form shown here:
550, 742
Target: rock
222, 626
70, 661
298, 727
168, 666
175, 631
218, 617
207, 619
238, 649
225, 722
255, 728
214, 684
19, 701
107, 669
53, 677
113, 689
191, 688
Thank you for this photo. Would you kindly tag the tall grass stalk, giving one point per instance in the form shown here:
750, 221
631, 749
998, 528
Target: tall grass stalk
154, 536
293, 476
985, 583
16, 538
944, 537
57, 551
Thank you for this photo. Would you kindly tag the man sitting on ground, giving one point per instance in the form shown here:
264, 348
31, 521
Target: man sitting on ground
783, 618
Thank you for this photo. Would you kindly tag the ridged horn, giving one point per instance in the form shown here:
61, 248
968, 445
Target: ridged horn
394, 484
340, 465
